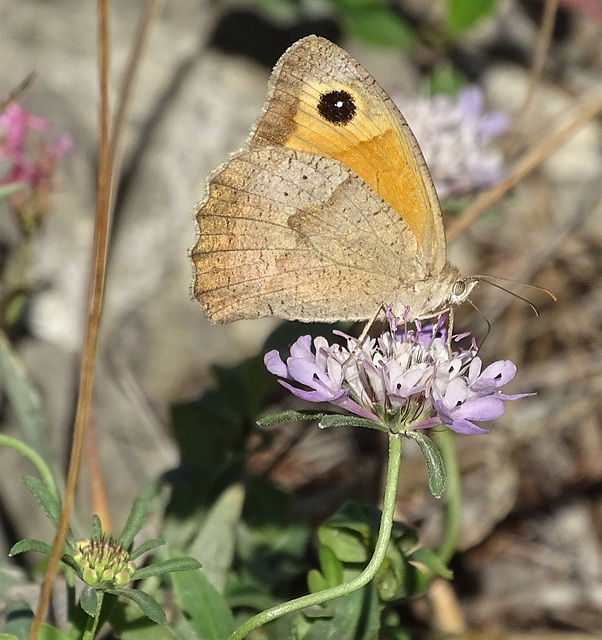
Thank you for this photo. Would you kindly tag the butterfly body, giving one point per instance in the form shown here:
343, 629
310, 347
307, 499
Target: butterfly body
329, 212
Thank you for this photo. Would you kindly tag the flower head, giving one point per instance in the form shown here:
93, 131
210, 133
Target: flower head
454, 136
30, 162
407, 378
104, 563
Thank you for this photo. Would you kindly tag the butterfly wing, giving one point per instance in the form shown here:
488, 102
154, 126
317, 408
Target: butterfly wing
321, 100
296, 235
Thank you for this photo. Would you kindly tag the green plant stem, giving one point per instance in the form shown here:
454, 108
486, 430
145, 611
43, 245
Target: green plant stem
93, 620
35, 459
384, 535
445, 442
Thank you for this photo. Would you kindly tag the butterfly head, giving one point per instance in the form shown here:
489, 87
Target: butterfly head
461, 289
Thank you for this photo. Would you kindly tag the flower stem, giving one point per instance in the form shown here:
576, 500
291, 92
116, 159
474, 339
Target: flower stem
444, 440
384, 535
36, 460
93, 620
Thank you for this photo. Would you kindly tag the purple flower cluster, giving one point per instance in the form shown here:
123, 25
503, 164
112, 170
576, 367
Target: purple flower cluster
455, 138
15, 123
405, 375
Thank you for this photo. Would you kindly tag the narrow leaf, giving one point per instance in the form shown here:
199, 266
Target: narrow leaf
48, 503
88, 600
149, 606
339, 420
214, 545
167, 566
134, 522
129, 623
432, 561
8, 190
23, 398
288, 416
29, 545
146, 546
434, 462
96, 527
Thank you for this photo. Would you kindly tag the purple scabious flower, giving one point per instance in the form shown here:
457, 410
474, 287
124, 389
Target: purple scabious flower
455, 136
407, 378
15, 155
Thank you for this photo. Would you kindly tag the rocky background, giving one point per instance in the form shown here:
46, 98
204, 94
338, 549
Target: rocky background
532, 525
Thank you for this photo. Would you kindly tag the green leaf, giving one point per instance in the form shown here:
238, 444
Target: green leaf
215, 542
331, 566
149, 606
7, 190
88, 600
356, 617
134, 522
96, 527
289, 416
23, 398
373, 22
8, 636
316, 581
129, 623
463, 14
18, 620
348, 546
48, 632
48, 503
205, 608
30, 545
432, 561
146, 546
167, 566
434, 462
41, 547
340, 420
447, 79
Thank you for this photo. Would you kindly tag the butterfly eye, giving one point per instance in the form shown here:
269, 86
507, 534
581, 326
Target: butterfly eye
338, 107
459, 288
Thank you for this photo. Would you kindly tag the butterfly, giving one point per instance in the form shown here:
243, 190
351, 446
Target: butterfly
329, 212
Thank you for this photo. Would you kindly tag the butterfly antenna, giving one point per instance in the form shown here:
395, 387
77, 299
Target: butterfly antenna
516, 295
474, 306
522, 284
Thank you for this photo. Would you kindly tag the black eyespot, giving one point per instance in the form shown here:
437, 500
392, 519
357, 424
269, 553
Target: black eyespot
337, 107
